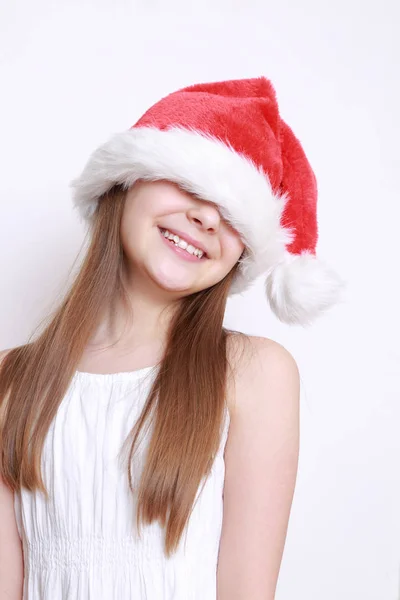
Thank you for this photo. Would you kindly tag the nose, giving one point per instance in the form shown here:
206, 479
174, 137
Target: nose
205, 216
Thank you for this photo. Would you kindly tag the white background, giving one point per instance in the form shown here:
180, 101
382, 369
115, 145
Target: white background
72, 73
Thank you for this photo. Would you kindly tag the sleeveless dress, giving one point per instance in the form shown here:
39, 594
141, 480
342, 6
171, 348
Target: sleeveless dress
82, 543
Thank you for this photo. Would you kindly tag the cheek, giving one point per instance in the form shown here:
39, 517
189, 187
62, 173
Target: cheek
130, 233
232, 249
125, 232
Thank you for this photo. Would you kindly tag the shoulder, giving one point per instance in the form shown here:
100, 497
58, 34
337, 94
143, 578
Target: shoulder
261, 458
264, 371
246, 350
262, 350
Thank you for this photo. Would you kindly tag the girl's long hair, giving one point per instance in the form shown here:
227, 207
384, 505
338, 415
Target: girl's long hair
186, 402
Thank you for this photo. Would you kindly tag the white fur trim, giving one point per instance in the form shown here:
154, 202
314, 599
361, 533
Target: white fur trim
302, 287
200, 164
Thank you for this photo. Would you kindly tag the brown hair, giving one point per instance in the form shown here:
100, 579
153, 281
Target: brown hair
186, 402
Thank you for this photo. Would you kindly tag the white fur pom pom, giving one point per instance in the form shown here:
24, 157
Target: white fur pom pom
301, 288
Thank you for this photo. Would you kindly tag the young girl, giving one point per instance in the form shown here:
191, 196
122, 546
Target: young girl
147, 452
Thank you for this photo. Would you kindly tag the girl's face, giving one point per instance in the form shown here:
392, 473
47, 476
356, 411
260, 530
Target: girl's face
156, 206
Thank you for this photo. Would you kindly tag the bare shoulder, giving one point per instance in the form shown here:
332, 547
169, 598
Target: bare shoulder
262, 368
261, 457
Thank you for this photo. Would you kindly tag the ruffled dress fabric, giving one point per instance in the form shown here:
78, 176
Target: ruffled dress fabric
82, 543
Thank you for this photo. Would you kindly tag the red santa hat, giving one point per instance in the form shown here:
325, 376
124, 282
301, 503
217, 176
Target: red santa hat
226, 143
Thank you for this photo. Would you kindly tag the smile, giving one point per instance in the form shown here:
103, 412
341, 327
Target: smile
181, 247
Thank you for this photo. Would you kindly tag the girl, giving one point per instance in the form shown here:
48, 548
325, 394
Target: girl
147, 452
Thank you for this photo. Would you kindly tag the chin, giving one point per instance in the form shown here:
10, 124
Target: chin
168, 284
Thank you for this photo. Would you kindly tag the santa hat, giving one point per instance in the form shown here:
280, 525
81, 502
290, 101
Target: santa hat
226, 143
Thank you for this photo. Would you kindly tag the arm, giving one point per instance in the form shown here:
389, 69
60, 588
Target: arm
261, 458
11, 554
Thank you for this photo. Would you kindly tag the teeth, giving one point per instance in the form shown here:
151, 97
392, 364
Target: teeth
182, 244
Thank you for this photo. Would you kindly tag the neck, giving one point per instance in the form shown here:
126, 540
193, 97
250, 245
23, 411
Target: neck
139, 333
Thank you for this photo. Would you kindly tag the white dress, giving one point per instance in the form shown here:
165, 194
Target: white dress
83, 544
